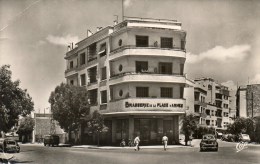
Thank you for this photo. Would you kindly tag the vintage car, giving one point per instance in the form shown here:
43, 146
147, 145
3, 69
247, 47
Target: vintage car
12, 146
51, 140
209, 142
2, 145
244, 138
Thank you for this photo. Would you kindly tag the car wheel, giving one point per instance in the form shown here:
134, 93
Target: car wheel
201, 150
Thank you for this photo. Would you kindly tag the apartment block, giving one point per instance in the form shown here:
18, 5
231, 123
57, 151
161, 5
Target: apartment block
209, 101
133, 72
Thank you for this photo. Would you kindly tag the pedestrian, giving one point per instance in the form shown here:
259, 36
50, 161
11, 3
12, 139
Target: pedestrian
136, 142
165, 141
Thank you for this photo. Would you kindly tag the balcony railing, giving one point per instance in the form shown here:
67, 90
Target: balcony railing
114, 76
148, 47
145, 77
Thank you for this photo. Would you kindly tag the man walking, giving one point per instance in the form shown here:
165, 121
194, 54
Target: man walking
136, 142
165, 141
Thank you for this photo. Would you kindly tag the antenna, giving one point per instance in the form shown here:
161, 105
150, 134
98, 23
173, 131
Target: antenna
122, 10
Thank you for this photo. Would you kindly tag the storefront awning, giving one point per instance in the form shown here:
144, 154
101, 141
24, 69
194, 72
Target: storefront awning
144, 113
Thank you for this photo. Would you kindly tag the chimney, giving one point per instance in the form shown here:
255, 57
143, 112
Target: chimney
99, 28
89, 33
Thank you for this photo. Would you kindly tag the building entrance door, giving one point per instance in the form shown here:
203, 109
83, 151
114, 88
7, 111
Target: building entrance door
168, 130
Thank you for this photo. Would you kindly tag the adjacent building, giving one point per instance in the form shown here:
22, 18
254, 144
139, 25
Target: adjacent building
133, 72
248, 101
209, 101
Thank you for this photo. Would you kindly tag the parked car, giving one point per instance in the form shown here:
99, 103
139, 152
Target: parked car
209, 141
244, 138
12, 146
51, 140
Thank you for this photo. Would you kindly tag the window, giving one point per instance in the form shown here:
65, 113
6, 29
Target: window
71, 64
181, 92
208, 122
92, 50
82, 58
142, 92
165, 68
181, 69
93, 97
182, 44
166, 42
208, 112
83, 79
102, 50
92, 73
104, 73
103, 97
225, 114
142, 41
166, 92
141, 66
71, 82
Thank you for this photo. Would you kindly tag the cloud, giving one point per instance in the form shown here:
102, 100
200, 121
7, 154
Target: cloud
127, 3
255, 80
230, 84
221, 54
62, 40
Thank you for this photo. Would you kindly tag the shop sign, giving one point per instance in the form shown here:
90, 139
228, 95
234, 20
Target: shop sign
153, 105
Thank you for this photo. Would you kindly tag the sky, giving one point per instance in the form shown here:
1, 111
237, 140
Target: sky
223, 37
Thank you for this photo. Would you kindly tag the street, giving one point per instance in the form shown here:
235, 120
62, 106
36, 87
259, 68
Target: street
31, 153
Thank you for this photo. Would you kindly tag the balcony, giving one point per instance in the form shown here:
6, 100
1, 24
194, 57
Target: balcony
71, 71
147, 51
147, 77
198, 102
148, 105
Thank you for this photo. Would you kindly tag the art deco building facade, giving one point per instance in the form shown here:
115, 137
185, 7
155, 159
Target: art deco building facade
133, 72
209, 101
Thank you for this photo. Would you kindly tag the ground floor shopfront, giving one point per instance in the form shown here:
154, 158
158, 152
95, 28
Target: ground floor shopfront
150, 128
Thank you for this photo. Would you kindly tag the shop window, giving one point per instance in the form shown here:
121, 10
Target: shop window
166, 42
142, 41
83, 79
103, 97
141, 66
142, 92
166, 92
165, 68
82, 59
104, 73
122, 129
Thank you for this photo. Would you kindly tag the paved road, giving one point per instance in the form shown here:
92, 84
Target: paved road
226, 155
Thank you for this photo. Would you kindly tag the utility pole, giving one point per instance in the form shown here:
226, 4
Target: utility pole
252, 104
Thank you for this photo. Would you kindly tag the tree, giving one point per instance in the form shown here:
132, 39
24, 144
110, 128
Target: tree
14, 101
69, 104
95, 125
189, 125
242, 125
26, 127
